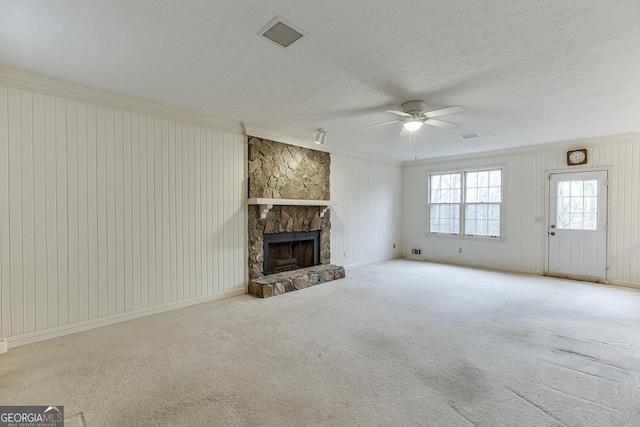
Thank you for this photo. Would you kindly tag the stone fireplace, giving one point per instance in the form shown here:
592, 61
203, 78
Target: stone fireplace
288, 208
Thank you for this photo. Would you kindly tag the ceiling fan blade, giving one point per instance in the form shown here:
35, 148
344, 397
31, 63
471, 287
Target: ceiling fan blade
441, 123
398, 112
380, 124
443, 111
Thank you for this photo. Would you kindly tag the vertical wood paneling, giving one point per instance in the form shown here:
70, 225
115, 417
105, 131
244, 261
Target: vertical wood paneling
101, 190
203, 213
128, 215
5, 261
242, 193
220, 218
144, 214
368, 198
210, 195
39, 197
179, 245
83, 218
119, 211
215, 219
171, 154
166, 248
157, 208
62, 214
225, 215
72, 209
198, 213
15, 213
184, 291
226, 206
28, 214
136, 197
112, 269
192, 216
51, 210
92, 211
151, 211
105, 211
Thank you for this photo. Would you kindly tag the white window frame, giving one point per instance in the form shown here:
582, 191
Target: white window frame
459, 204
463, 202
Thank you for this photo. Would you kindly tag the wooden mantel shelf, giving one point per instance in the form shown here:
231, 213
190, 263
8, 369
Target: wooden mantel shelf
267, 204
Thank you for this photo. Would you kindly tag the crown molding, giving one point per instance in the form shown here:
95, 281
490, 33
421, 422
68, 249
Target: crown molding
568, 144
261, 132
66, 89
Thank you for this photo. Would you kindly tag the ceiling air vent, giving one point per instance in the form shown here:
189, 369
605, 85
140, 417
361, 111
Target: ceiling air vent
282, 32
470, 135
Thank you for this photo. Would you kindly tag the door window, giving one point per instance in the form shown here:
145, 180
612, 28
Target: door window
577, 205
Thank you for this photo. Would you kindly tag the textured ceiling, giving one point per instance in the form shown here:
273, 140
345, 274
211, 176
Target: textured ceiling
526, 72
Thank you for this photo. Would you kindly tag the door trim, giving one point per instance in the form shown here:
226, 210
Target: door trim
547, 223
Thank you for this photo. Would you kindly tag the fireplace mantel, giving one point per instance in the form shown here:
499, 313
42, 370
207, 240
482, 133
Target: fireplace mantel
267, 204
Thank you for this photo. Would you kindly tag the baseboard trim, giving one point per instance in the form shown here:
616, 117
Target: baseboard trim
369, 262
32, 337
631, 285
591, 279
479, 267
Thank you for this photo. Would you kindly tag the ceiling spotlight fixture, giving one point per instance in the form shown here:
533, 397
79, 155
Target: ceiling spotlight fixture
412, 125
321, 137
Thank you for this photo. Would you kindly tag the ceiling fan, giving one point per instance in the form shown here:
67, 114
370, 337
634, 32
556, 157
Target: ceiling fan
413, 116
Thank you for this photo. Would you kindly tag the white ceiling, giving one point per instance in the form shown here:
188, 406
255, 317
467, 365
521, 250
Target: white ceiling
527, 72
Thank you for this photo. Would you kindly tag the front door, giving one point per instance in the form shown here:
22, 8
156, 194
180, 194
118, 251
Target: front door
578, 224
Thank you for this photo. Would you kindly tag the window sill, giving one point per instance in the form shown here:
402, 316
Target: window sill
466, 237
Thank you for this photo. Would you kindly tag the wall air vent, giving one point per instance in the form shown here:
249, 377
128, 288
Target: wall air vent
470, 135
282, 32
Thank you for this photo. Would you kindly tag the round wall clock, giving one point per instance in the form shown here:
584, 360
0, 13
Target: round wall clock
577, 157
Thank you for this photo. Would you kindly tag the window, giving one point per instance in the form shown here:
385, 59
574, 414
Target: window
476, 211
578, 205
444, 211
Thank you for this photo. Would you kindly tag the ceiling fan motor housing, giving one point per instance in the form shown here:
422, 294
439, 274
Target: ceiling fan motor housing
415, 108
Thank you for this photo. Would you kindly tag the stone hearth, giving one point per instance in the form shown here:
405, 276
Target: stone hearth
280, 283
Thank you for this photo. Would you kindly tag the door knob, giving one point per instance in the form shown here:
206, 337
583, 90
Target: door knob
553, 226
553, 233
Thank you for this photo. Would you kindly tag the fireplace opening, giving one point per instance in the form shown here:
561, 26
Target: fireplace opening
290, 251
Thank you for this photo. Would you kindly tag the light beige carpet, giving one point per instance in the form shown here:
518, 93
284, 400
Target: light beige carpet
395, 344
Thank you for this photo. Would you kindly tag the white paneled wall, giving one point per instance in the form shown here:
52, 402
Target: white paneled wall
105, 212
523, 248
365, 223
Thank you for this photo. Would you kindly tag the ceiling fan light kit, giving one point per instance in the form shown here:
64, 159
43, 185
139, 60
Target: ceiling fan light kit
413, 116
412, 125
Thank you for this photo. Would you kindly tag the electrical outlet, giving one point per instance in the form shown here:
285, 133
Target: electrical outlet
416, 251
460, 250
539, 219
345, 254
394, 246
